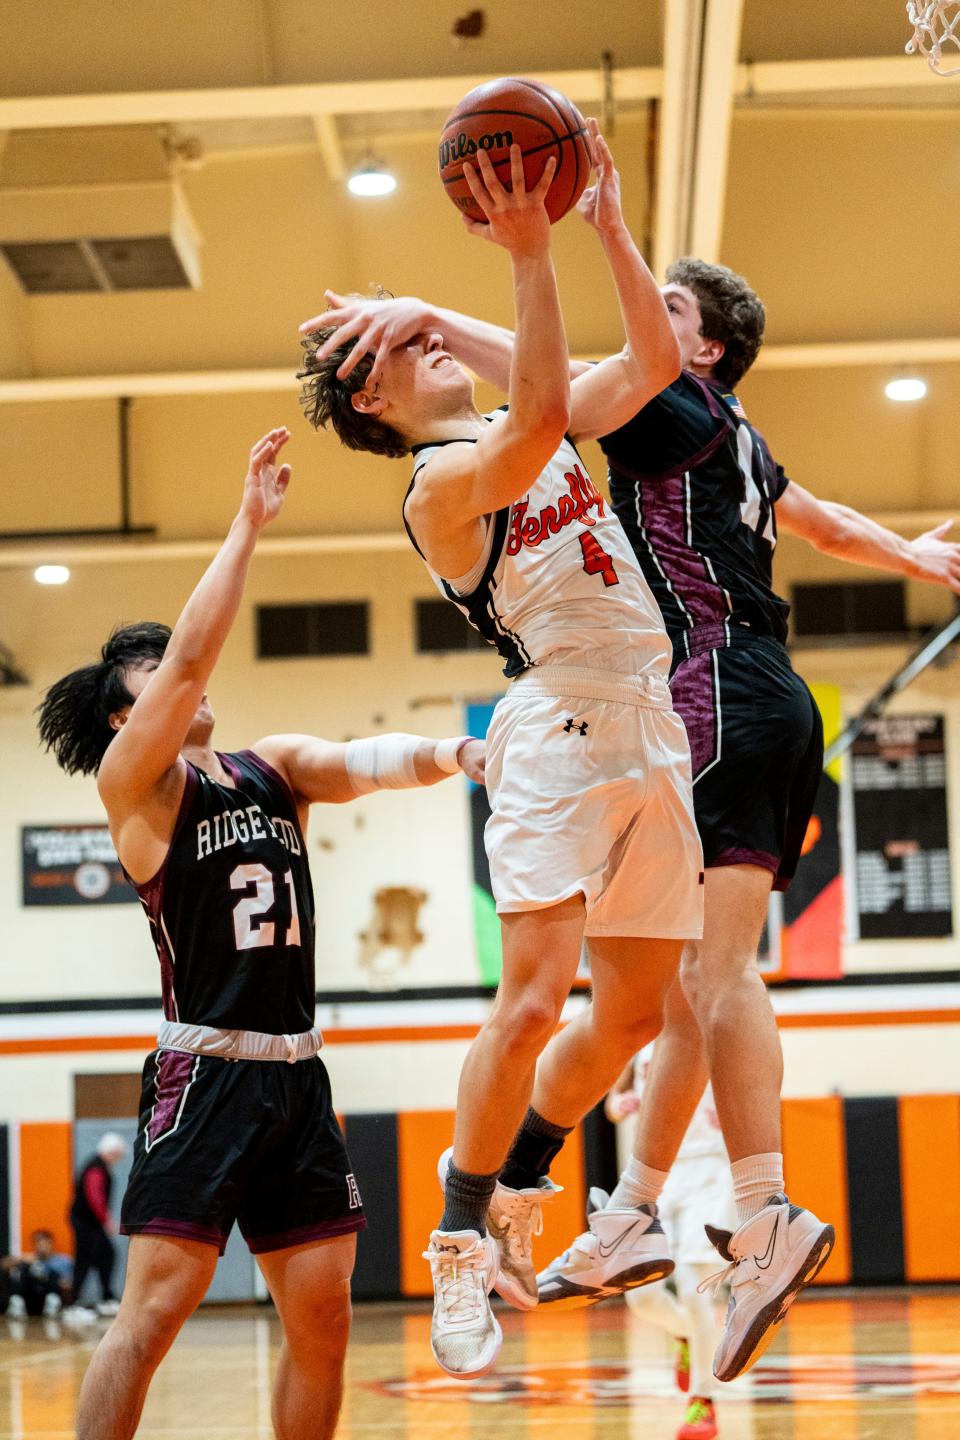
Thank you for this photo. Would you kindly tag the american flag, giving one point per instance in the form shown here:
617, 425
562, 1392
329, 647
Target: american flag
735, 406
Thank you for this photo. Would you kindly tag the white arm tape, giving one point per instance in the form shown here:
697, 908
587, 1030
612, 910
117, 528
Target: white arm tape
446, 757
382, 762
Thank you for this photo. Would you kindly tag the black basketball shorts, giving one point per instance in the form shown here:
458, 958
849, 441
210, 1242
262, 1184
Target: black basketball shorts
255, 1141
756, 745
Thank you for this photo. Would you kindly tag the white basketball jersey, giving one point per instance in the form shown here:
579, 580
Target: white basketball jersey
704, 1136
557, 582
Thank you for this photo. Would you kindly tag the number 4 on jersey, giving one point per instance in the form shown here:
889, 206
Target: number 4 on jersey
597, 561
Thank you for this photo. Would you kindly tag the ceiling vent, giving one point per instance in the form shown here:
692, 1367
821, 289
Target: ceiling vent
145, 262
112, 220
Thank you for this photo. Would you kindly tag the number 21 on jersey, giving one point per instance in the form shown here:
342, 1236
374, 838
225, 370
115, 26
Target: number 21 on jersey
250, 928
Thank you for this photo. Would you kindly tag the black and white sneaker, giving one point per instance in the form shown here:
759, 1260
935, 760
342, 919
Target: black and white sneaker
771, 1257
620, 1250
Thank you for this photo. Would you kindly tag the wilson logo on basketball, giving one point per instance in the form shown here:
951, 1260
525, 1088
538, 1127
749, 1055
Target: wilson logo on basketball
461, 147
532, 530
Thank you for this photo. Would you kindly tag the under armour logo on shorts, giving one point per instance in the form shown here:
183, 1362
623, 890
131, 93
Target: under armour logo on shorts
572, 725
353, 1194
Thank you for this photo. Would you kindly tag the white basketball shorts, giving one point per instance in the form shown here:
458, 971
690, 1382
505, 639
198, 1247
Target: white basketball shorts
588, 775
698, 1192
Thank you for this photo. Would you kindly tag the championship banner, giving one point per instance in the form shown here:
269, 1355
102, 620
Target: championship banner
72, 865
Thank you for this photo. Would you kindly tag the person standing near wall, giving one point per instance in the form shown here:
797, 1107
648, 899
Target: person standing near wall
93, 1223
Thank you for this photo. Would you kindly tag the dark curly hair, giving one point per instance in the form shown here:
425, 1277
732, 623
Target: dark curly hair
326, 399
729, 311
75, 712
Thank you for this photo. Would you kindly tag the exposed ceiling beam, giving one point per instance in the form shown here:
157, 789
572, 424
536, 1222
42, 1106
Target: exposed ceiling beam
328, 139
18, 555
15, 554
164, 382
355, 97
807, 77
368, 97
860, 352
721, 46
829, 354
677, 123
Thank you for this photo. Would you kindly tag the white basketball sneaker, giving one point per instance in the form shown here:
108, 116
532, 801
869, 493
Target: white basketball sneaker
772, 1256
620, 1250
513, 1219
466, 1336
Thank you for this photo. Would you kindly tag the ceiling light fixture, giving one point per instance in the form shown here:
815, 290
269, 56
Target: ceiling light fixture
906, 387
51, 574
371, 177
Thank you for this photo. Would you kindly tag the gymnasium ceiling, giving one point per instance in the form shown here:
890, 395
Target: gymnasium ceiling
813, 155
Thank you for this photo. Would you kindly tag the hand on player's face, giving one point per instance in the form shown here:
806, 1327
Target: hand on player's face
516, 218
265, 485
600, 202
378, 326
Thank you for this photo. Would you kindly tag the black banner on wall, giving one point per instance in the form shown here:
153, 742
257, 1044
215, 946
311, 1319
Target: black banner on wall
900, 815
72, 865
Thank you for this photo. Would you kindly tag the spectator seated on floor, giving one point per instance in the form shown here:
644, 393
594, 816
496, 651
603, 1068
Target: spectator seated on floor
37, 1283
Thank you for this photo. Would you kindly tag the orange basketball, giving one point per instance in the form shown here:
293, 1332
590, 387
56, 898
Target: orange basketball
523, 112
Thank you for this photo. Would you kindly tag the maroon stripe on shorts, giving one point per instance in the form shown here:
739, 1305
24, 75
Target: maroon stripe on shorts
322, 1230
175, 1069
179, 1230
695, 700
740, 855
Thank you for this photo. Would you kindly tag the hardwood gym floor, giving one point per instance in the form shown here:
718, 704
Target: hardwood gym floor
864, 1366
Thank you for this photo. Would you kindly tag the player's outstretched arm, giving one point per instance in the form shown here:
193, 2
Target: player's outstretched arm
607, 395
845, 533
325, 771
467, 481
148, 744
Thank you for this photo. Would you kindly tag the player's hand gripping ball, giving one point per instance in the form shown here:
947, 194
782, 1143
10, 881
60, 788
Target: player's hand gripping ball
540, 120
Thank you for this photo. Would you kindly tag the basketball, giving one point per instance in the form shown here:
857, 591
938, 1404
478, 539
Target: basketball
540, 120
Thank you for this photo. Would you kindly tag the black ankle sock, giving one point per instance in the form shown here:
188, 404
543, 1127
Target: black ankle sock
536, 1145
466, 1198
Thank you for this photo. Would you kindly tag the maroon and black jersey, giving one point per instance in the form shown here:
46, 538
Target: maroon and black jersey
231, 908
694, 486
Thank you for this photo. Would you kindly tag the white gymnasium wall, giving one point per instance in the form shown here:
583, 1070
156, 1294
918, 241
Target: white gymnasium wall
421, 840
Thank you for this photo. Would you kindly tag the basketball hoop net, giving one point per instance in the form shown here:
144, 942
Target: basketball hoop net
936, 25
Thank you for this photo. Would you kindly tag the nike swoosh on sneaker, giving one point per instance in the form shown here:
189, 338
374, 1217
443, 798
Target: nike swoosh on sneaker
606, 1253
764, 1261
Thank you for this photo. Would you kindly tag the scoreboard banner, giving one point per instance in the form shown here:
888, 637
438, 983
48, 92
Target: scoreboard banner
899, 782
72, 865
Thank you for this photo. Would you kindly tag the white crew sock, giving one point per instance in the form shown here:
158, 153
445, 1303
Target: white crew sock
755, 1179
639, 1184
